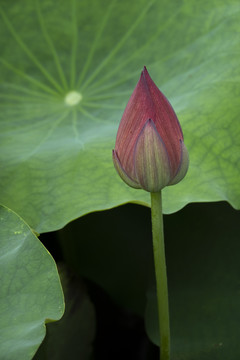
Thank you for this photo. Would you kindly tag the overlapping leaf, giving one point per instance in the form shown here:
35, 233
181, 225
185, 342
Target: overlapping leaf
30, 289
56, 144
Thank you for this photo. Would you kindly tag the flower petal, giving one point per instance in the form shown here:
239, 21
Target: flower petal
122, 173
165, 120
183, 167
151, 161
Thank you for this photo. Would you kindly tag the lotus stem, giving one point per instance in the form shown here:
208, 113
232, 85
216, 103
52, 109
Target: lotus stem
161, 275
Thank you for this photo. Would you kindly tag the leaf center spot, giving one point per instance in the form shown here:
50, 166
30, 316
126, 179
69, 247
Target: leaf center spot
73, 98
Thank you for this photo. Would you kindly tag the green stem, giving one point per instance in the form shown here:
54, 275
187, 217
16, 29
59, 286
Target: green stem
161, 275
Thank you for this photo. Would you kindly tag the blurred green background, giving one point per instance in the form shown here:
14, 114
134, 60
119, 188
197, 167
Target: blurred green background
111, 252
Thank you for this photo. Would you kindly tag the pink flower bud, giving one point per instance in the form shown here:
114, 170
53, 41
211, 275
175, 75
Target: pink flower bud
149, 151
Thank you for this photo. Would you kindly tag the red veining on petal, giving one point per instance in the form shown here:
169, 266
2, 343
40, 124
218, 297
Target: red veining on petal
166, 122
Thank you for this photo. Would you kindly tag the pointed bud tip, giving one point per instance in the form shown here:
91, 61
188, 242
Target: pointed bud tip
145, 72
150, 122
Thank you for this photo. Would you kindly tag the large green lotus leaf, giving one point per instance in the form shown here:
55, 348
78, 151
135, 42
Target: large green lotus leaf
56, 144
30, 294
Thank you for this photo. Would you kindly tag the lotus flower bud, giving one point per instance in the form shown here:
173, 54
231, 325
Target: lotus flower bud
149, 151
